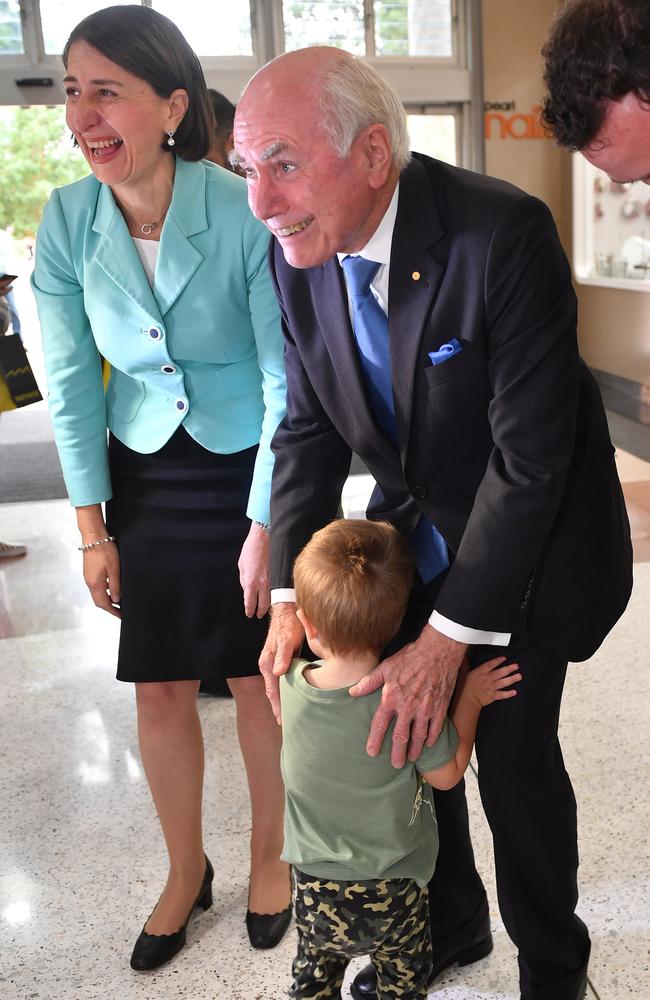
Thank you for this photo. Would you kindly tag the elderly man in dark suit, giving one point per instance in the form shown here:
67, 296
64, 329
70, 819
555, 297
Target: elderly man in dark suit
430, 327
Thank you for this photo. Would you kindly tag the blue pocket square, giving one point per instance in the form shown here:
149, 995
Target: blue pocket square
445, 351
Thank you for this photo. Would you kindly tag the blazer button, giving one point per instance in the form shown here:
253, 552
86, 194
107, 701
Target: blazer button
181, 404
420, 492
155, 333
168, 369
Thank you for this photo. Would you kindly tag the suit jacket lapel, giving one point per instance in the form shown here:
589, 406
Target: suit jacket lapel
415, 275
187, 216
116, 254
414, 278
178, 259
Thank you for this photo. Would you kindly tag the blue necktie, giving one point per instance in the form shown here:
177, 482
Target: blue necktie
370, 325
371, 334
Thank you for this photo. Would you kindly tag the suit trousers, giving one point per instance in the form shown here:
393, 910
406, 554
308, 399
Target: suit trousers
530, 807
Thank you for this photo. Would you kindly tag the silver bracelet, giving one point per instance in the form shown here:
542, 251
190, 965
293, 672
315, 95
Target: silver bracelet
93, 545
266, 528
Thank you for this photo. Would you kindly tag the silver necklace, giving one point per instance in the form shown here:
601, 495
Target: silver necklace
148, 228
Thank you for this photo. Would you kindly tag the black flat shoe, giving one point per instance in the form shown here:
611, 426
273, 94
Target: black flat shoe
265, 930
153, 950
477, 945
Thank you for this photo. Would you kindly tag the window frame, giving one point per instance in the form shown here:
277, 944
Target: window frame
454, 110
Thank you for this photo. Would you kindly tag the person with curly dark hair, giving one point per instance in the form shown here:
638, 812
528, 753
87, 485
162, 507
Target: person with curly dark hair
598, 78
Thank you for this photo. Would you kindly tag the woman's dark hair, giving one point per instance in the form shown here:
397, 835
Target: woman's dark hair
150, 46
597, 51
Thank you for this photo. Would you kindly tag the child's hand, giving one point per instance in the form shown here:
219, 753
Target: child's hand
488, 682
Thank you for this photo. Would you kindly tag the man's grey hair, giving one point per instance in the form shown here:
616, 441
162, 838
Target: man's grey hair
354, 96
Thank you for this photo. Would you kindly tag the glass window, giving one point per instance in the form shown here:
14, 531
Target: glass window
59, 17
218, 29
611, 243
11, 32
434, 135
324, 22
413, 28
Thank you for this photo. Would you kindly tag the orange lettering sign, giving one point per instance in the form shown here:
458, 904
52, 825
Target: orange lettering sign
516, 126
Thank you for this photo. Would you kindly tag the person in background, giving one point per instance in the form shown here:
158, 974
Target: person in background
361, 834
155, 262
8, 550
597, 71
224, 116
7, 255
430, 328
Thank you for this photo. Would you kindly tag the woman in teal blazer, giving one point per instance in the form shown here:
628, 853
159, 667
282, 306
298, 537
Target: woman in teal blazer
156, 264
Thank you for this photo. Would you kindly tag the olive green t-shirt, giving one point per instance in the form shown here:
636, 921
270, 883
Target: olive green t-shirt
349, 816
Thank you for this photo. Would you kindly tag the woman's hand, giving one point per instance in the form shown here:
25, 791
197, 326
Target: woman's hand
253, 568
102, 576
102, 562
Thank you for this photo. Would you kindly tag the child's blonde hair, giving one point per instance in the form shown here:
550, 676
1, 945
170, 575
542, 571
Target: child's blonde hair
352, 582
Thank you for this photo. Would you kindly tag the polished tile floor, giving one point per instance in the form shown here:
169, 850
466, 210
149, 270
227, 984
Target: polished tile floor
80, 853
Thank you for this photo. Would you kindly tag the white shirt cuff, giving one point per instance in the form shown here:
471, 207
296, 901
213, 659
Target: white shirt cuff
461, 633
283, 594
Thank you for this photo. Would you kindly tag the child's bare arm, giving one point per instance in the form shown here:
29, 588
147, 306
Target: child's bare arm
481, 686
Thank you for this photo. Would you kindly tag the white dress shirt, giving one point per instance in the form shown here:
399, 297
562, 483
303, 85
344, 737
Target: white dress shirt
378, 248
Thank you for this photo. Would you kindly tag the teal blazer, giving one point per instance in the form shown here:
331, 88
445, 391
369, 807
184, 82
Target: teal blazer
203, 347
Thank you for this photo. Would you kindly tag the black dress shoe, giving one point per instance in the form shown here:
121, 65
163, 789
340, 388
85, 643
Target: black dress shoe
153, 950
582, 987
265, 930
582, 992
477, 945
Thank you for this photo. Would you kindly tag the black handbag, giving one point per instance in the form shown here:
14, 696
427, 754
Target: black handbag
16, 373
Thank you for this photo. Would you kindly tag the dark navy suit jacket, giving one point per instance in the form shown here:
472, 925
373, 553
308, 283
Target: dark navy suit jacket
504, 446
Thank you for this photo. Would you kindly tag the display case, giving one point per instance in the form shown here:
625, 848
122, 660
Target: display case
611, 230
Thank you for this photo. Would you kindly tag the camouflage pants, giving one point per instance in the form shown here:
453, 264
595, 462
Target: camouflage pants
336, 921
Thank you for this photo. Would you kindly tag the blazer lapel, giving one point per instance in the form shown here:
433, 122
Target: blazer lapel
178, 259
414, 278
117, 256
187, 216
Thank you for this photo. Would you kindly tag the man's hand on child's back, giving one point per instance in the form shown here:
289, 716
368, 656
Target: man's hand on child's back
492, 681
417, 684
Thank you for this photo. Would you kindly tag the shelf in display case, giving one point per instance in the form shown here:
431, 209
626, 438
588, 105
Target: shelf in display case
611, 230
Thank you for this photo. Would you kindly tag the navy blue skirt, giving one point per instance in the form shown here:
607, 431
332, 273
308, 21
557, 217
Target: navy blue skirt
179, 519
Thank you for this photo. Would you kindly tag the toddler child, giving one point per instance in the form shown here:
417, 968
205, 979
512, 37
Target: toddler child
362, 834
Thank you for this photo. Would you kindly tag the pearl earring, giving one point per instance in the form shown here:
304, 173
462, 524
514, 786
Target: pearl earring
170, 138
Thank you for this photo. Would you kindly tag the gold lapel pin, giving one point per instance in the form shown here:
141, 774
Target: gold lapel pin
416, 276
